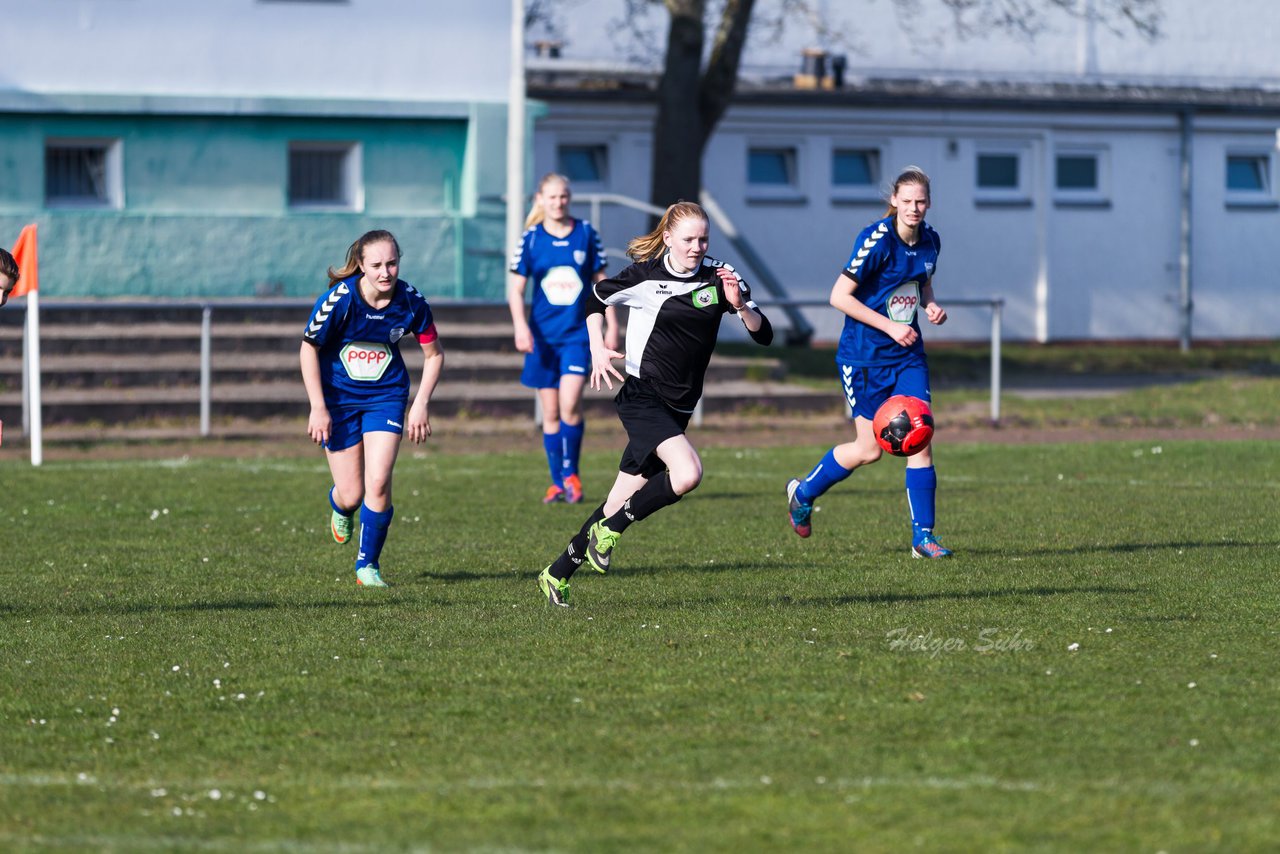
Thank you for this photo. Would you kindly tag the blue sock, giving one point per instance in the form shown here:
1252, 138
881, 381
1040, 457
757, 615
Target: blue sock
335, 506
555, 456
825, 475
922, 483
373, 534
571, 439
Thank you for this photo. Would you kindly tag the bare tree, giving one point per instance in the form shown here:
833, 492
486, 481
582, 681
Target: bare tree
697, 84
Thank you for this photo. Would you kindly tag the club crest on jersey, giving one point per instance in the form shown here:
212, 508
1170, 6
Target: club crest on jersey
706, 297
397, 334
579, 257
928, 267
365, 361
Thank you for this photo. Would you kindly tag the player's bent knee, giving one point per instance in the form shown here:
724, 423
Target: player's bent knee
682, 483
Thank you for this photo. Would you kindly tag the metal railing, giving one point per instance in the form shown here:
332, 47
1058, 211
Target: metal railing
800, 332
994, 304
207, 309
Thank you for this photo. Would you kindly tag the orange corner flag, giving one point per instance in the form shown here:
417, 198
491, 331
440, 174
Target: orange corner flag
24, 252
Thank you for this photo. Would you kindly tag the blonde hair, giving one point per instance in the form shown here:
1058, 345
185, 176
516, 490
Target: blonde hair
536, 214
651, 245
909, 175
355, 255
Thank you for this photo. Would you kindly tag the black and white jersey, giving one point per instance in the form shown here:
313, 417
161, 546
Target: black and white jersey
673, 324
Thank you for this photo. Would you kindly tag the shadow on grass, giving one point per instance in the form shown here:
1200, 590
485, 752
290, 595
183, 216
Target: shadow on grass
889, 598
1123, 548
231, 605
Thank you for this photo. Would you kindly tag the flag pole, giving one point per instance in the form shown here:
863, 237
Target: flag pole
32, 337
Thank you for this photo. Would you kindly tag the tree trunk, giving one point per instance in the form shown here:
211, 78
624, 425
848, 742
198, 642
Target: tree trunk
678, 140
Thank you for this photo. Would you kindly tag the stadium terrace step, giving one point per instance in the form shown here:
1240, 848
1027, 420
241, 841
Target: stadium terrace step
139, 363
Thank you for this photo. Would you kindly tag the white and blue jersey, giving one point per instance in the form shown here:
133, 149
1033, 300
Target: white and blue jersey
359, 347
560, 270
890, 275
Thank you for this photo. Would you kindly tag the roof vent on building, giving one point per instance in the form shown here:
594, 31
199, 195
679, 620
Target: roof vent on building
813, 70
547, 49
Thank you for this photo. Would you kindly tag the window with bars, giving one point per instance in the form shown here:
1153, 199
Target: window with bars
82, 173
324, 175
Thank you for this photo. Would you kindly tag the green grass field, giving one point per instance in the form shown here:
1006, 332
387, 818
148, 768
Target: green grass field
188, 665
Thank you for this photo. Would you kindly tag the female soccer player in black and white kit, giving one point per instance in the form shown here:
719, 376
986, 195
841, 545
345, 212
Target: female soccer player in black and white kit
677, 297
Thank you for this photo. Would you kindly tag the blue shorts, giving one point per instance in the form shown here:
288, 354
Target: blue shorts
350, 423
544, 367
866, 387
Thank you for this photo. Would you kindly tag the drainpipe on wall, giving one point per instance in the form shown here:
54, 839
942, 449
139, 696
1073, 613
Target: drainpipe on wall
1184, 230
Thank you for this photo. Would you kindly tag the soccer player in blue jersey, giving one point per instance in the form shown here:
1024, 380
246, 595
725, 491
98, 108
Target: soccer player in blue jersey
888, 280
677, 297
358, 386
563, 257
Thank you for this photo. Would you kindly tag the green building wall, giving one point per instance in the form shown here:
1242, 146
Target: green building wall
205, 210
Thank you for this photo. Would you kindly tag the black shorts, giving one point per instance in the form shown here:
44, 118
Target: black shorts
649, 422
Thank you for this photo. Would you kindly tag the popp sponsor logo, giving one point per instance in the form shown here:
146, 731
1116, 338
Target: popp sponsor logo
364, 361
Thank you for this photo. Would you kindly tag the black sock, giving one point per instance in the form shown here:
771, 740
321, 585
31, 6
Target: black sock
575, 553
648, 499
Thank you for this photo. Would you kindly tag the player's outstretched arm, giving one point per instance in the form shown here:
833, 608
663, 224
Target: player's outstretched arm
419, 421
934, 313
601, 356
318, 422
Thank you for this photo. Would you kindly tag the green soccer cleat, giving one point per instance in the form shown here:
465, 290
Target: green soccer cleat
368, 576
556, 590
340, 526
600, 542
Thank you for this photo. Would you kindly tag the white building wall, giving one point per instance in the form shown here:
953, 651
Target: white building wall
1106, 268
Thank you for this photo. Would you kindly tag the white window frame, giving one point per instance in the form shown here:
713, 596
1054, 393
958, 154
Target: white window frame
1098, 196
113, 173
1019, 195
791, 192
352, 177
872, 193
1265, 197
581, 184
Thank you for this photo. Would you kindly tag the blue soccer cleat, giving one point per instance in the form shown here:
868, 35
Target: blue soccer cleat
929, 547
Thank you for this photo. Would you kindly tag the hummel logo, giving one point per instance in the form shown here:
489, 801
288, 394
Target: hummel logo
394, 424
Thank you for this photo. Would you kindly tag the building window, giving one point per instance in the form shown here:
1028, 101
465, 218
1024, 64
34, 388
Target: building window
1076, 172
1248, 173
1000, 177
855, 168
325, 175
772, 167
83, 173
584, 164
997, 171
1080, 177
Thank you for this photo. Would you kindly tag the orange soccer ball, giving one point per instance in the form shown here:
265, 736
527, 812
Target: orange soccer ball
903, 425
